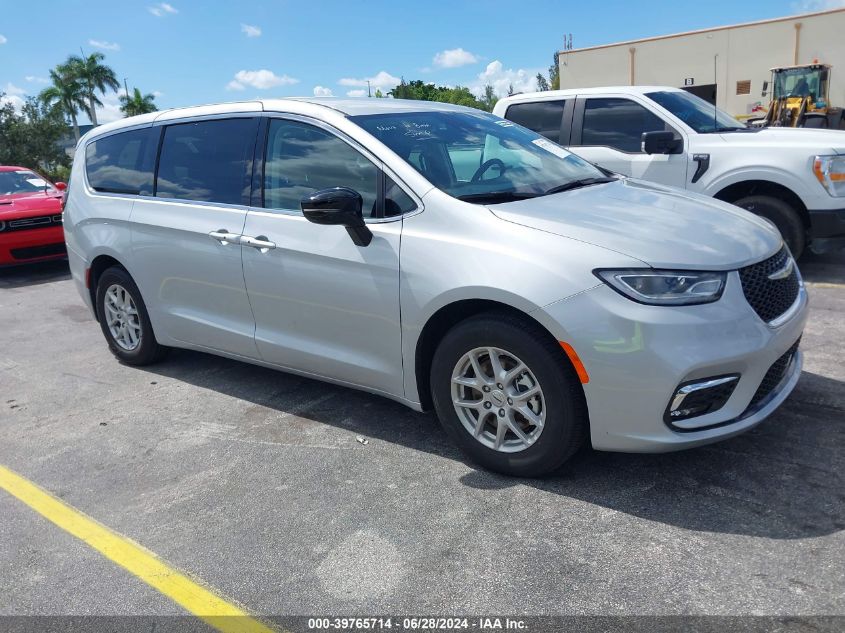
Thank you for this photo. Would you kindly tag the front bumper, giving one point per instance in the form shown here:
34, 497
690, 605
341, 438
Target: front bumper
827, 229
636, 356
34, 245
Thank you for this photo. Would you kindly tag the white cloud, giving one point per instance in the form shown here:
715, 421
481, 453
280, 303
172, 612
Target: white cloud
260, 79
106, 46
320, 91
358, 92
12, 89
250, 30
454, 57
16, 101
14, 95
161, 9
37, 80
501, 78
809, 6
383, 80
3, 39
110, 110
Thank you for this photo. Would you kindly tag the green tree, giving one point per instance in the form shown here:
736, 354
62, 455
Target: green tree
137, 104
66, 94
489, 99
542, 84
554, 73
95, 76
418, 89
30, 138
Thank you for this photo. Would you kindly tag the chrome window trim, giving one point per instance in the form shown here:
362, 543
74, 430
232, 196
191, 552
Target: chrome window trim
380, 164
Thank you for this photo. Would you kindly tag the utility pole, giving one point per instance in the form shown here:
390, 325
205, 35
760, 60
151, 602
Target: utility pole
126, 88
368, 88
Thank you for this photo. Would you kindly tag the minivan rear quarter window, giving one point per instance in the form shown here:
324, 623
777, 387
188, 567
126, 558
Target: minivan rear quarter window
207, 161
123, 162
544, 117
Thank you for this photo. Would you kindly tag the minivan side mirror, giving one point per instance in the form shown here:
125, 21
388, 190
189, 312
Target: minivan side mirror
661, 143
340, 206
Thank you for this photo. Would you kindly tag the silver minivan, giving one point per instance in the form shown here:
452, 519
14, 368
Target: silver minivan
445, 258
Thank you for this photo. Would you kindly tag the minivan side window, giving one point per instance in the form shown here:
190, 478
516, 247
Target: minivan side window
301, 159
123, 162
618, 123
207, 161
543, 117
396, 201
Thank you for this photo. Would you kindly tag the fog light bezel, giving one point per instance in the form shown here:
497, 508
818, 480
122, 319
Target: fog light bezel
689, 387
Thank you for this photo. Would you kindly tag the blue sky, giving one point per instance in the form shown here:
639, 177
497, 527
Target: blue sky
189, 52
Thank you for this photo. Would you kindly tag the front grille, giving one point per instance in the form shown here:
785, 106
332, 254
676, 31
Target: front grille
32, 252
39, 222
770, 297
774, 375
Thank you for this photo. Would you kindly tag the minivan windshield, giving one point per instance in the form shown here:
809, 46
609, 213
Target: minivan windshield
479, 157
701, 116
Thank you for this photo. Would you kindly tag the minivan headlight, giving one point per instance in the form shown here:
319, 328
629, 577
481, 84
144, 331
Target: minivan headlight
830, 172
665, 287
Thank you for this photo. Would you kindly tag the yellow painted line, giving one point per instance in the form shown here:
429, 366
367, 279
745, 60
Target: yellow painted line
215, 611
823, 284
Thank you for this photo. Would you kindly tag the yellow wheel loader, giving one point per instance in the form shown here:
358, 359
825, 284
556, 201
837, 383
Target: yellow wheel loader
800, 98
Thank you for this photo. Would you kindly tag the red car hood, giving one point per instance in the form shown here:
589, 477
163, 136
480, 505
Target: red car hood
27, 205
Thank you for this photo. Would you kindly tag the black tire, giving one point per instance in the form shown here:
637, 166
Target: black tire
783, 216
566, 422
148, 350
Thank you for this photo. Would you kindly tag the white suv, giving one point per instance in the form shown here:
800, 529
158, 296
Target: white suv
793, 177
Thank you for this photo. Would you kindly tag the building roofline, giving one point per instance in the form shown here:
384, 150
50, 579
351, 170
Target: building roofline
707, 30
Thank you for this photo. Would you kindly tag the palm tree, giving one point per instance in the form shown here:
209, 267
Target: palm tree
137, 103
66, 94
95, 76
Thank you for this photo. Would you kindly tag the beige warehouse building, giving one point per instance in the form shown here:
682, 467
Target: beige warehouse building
728, 64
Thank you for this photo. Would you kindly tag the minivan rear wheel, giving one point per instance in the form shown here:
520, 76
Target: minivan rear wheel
124, 319
508, 396
783, 216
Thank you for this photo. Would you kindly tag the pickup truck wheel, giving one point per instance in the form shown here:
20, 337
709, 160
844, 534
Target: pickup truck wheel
782, 215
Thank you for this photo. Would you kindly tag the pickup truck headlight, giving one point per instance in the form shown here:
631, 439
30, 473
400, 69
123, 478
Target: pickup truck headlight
830, 171
665, 287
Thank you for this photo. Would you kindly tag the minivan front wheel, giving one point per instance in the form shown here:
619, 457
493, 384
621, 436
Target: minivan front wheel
508, 396
124, 320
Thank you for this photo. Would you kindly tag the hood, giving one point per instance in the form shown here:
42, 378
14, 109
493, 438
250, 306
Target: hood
661, 226
814, 139
25, 205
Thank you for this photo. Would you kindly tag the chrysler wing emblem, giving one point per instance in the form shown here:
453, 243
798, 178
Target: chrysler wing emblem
784, 272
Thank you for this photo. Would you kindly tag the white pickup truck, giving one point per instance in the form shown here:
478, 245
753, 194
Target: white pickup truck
793, 177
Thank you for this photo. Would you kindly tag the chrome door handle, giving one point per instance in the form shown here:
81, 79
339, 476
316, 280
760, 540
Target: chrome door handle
261, 242
224, 237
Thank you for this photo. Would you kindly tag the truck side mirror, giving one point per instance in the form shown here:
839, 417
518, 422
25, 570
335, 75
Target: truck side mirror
661, 143
765, 89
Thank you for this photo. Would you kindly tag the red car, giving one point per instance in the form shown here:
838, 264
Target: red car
30, 217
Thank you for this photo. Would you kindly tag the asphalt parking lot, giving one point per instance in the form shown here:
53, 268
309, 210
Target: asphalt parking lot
255, 483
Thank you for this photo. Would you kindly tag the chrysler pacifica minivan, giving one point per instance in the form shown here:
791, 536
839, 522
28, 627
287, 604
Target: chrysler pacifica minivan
442, 257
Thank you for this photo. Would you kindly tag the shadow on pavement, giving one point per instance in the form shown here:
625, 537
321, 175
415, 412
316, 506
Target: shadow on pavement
782, 480
827, 268
33, 274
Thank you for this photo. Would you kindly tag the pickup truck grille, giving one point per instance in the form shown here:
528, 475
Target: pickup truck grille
769, 294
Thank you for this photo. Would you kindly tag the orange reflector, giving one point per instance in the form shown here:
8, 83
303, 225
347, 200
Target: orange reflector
87, 277
583, 376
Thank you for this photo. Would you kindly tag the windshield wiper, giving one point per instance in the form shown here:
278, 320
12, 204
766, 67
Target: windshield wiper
496, 196
576, 184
